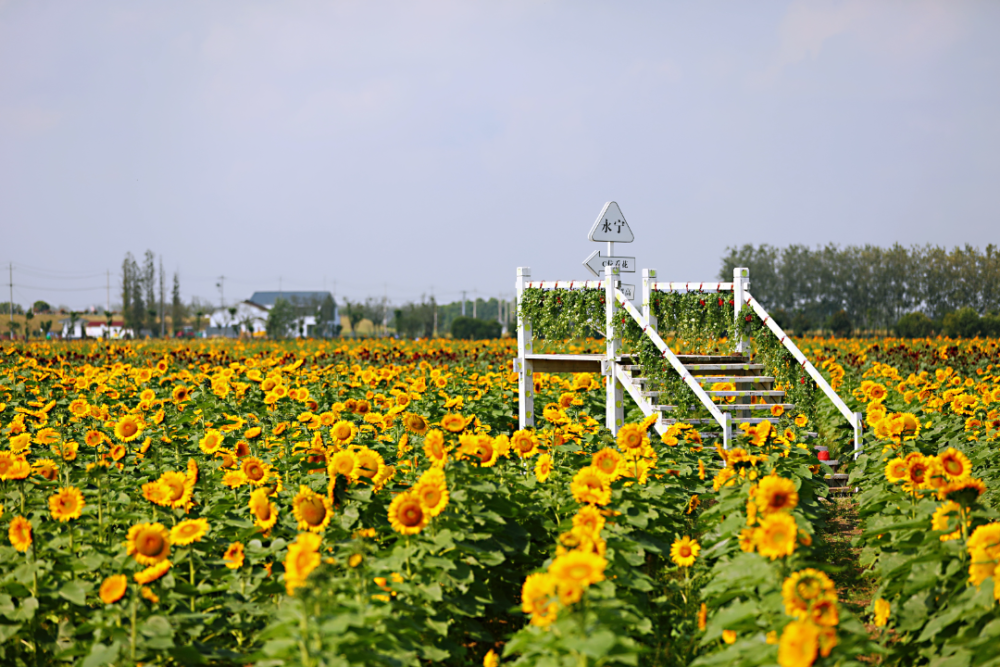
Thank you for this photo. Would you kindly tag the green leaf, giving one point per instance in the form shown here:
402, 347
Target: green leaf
75, 592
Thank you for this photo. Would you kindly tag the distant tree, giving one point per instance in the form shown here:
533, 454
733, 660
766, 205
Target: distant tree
5, 309
468, 328
45, 326
41, 307
177, 310
14, 328
355, 312
326, 326
28, 316
416, 319
74, 317
963, 323
840, 324
149, 289
280, 319
914, 325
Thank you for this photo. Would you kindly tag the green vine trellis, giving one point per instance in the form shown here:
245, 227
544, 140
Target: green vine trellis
701, 320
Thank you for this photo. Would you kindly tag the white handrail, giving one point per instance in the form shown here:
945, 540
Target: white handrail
692, 287
668, 354
566, 284
801, 358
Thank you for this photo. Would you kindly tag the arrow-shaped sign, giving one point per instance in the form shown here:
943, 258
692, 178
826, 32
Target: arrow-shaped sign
595, 263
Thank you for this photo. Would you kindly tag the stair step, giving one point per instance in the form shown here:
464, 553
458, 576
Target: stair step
846, 490
712, 358
754, 392
735, 379
736, 420
724, 367
735, 407
838, 477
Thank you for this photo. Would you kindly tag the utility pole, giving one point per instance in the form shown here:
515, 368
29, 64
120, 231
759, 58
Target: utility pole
163, 323
10, 304
475, 302
463, 303
107, 304
222, 293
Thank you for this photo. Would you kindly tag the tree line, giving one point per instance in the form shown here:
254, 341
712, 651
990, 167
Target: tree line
871, 288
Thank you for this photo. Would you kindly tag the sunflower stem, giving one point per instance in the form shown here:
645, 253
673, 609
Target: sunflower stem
132, 630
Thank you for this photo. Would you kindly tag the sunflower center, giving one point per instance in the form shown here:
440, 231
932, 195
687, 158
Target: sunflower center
341, 432
953, 467
263, 511
151, 544
684, 551
254, 472
411, 514
778, 500
129, 429
431, 496
313, 511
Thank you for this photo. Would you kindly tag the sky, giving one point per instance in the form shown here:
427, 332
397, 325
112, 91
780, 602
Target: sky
412, 149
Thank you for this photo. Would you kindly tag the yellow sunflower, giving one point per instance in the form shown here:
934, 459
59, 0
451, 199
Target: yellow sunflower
434, 447
452, 422
343, 463
188, 531
776, 494
775, 536
591, 486
590, 519
803, 588
113, 588
406, 515
302, 558
312, 510
539, 599
66, 504
432, 492
152, 573
577, 569
798, 644
543, 467
234, 556
19, 533
631, 437
882, 610
370, 463
415, 424
128, 428
955, 464
343, 432
148, 543
264, 511
47, 436
895, 470
684, 551
211, 442
606, 462
254, 470
524, 443
93, 439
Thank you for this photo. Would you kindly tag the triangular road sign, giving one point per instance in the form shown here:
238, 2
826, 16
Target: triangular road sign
611, 226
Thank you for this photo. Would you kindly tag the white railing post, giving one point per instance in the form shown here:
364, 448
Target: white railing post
523, 365
648, 278
858, 433
614, 409
741, 285
727, 431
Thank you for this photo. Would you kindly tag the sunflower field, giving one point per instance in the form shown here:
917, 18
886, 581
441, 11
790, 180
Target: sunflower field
373, 502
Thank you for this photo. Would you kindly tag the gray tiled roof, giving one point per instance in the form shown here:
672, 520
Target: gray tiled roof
268, 298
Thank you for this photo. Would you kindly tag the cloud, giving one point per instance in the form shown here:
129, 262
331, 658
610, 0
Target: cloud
902, 31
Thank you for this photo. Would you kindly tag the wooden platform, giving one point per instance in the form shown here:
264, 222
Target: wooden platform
565, 363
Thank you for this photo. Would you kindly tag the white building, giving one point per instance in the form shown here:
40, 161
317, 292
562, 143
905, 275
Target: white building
254, 312
93, 328
248, 318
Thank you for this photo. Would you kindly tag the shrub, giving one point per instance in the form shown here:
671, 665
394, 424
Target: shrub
469, 328
963, 323
914, 325
840, 324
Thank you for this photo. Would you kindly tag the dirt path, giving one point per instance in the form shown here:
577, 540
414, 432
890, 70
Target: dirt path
854, 589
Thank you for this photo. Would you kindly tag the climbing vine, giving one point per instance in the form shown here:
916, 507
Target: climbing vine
789, 375
562, 314
701, 320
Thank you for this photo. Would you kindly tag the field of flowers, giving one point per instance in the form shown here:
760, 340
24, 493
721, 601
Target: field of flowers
373, 502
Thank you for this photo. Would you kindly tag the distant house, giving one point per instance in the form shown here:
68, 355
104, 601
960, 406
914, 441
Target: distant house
93, 328
249, 318
254, 311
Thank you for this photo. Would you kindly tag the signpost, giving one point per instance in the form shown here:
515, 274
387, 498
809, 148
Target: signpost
611, 227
